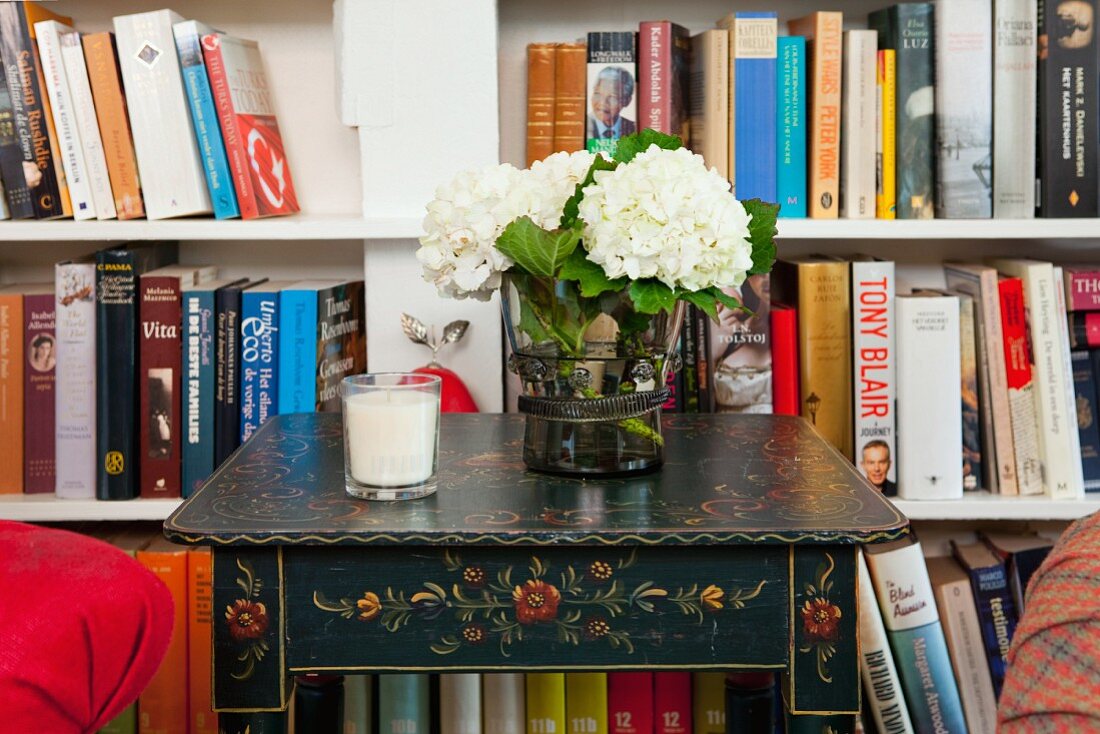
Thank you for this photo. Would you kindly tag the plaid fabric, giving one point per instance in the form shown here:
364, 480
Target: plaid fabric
1053, 679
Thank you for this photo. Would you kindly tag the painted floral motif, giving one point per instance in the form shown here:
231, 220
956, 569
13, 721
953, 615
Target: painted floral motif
585, 603
820, 619
247, 622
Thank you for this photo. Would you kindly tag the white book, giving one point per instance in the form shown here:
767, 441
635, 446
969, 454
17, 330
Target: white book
72, 55
504, 703
460, 703
1067, 376
874, 378
876, 662
172, 179
964, 108
1061, 465
929, 398
70, 146
1014, 55
75, 416
859, 123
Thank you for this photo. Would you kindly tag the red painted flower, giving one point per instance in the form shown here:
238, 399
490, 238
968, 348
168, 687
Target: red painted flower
819, 620
536, 601
247, 620
474, 634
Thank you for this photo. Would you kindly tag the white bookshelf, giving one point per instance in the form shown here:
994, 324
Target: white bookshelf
48, 508
981, 506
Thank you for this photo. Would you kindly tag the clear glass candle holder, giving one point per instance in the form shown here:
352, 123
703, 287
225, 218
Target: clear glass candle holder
391, 435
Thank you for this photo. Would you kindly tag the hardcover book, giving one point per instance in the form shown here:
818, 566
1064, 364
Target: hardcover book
1084, 329
227, 367
630, 703
858, 125
358, 715
874, 333
11, 391
586, 703
740, 351
1062, 341
612, 102
1084, 384
701, 326
163, 705
39, 388
1021, 387
503, 703
977, 399
664, 58
877, 669
80, 91
1022, 554
709, 702
973, 463
200, 617
259, 355
708, 99
341, 341
791, 127
993, 600
17, 197
75, 411
1082, 283
753, 38
403, 703
540, 101
886, 135
545, 703
1015, 46
570, 67
246, 111
460, 704
907, 29
784, 335
672, 703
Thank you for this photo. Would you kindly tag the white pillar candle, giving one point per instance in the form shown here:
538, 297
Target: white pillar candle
391, 436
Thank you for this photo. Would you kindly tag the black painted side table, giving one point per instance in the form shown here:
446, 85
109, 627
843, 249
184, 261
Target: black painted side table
739, 554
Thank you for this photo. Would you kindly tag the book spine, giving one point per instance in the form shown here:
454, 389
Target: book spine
1067, 99
1061, 319
740, 352
586, 703
358, 716
231, 133
570, 64
996, 615
630, 703
17, 197
611, 72
784, 326
1014, 83
886, 136
874, 372
403, 703
61, 107
227, 410
909, 614
709, 99
116, 375
990, 477
297, 351
703, 360
540, 101
11, 393
160, 311
858, 125
1082, 289
75, 413
674, 382
76, 72
754, 39
164, 703
1088, 409
825, 57
198, 401
545, 703
341, 342
964, 108
1018, 378
972, 447
1084, 329
259, 358
655, 75
503, 703
709, 703
114, 124
929, 400
205, 119
880, 676
39, 392
460, 703
200, 616
672, 703
691, 362
791, 127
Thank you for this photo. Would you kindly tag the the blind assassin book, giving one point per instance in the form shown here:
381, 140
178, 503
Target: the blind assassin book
246, 111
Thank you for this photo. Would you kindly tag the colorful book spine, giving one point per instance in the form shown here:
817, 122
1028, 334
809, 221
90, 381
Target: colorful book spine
630, 703
790, 180
701, 327
877, 669
540, 101
199, 355
690, 369
259, 358
672, 703
1014, 82
912, 623
503, 703
993, 601
858, 125
973, 462
11, 393
403, 703
874, 333
545, 703
708, 103
75, 413
205, 118
80, 91
227, 363
1082, 285
739, 350
785, 390
709, 703
160, 359
886, 135
200, 618
570, 67
1084, 329
1088, 412
664, 53
983, 398
460, 703
297, 344
612, 101
17, 197
754, 39
341, 342
1018, 378
586, 703
39, 392
164, 703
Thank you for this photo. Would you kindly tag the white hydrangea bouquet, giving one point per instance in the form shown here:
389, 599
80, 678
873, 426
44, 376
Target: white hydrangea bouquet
595, 259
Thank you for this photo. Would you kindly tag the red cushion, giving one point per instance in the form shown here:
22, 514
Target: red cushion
83, 627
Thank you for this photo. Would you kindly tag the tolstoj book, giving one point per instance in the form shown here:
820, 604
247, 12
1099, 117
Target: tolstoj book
1014, 89
611, 89
709, 98
540, 101
753, 37
17, 197
586, 702
460, 703
1021, 387
929, 400
172, 179
909, 614
996, 609
246, 111
570, 67
708, 691
42, 171
880, 676
503, 703
874, 375
886, 135
907, 28
403, 703
822, 31
664, 55
858, 125
80, 91
11, 391
791, 127
75, 428
196, 83
227, 367
964, 109
39, 388
740, 351
1082, 284
116, 365
259, 355
545, 702
672, 703
629, 703
1088, 411
1067, 140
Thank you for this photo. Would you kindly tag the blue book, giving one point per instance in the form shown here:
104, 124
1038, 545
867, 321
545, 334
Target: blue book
403, 703
791, 127
754, 84
993, 598
1088, 429
259, 356
215, 164
297, 387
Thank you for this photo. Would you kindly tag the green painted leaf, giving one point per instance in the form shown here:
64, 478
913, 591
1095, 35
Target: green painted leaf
631, 145
762, 232
572, 204
536, 250
591, 276
652, 296
704, 300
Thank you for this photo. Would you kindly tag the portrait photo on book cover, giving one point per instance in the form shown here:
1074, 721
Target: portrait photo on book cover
611, 104
740, 353
40, 352
159, 382
875, 462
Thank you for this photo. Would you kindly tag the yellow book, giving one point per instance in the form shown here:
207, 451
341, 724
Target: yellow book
708, 702
886, 195
546, 703
586, 703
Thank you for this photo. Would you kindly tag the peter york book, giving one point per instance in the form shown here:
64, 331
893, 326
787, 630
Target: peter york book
612, 98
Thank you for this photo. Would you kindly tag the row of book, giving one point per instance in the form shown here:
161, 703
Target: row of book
898, 121
133, 376
166, 117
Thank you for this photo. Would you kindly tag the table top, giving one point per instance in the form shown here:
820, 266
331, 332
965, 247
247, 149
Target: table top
727, 479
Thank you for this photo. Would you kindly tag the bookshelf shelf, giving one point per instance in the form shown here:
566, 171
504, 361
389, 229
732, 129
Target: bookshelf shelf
986, 506
940, 229
48, 508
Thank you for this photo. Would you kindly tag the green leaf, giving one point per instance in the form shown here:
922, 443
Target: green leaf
632, 323
725, 299
591, 276
762, 232
631, 145
704, 300
530, 325
652, 296
572, 204
536, 250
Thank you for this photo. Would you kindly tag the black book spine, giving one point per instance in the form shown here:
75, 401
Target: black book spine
116, 370
702, 360
1067, 144
227, 415
690, 391
341, 341
11, 158
750, 703
319, 703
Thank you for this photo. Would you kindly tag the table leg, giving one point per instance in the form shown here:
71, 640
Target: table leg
270, 723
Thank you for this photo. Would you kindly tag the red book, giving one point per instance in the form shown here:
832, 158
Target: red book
246, 111
664, 52
785, 397
672, 703
39, 379
1082, 284
630, 703
1014, 327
